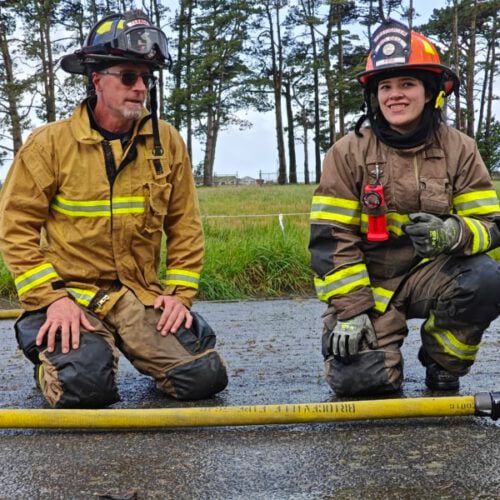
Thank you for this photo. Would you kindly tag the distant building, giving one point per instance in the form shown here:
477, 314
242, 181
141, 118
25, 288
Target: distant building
227, 180
247, 181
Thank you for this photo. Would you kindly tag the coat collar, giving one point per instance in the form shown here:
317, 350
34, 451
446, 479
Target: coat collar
84, 133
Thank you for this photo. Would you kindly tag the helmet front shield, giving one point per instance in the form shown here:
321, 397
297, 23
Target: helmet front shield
146, 41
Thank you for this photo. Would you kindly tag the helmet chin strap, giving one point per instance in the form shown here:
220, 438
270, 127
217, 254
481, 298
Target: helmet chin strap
157, 147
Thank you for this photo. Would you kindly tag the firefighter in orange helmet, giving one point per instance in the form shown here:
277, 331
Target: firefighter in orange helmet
400, 226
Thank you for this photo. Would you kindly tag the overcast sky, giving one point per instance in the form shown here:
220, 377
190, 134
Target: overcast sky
246, 152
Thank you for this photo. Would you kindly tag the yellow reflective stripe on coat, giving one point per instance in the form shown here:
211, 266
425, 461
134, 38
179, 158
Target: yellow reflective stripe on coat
394, 223
99, 208
342, 282
182, 277
83, 297
382, 298
476, 203
481, 236
128, 205
450, 344
341, 210
34, 277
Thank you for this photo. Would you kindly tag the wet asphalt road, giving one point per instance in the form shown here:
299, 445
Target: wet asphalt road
273, 355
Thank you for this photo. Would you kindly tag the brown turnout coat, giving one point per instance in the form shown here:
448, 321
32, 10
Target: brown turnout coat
448, 177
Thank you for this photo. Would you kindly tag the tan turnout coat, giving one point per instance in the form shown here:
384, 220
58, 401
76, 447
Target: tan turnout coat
65, 229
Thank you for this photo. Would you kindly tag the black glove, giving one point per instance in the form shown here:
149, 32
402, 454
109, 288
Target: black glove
431, 235
347, 335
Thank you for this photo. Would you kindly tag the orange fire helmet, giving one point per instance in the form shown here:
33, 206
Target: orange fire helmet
394, 47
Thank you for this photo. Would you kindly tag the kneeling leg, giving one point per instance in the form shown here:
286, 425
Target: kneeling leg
81, 378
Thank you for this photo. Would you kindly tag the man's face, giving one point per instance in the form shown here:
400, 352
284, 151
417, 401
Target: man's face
118, 99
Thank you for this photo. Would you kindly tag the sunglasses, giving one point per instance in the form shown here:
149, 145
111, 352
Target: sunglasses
129, 78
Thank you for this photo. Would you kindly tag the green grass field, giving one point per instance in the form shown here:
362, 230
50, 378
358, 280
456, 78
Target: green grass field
250, 251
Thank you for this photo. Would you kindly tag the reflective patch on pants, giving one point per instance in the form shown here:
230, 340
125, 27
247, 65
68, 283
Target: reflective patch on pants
199, 379
372, 372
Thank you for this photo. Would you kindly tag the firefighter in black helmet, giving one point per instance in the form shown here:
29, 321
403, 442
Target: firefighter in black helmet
85, 208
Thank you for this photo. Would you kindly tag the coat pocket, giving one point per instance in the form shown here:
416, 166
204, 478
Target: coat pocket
435, 195
157, 198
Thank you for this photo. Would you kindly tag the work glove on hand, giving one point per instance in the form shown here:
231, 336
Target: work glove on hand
347, 336
431, 235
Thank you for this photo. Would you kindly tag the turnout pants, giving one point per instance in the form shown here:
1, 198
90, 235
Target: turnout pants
185, 366
457, 296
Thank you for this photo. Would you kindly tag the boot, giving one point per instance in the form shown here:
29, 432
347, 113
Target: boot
436, 377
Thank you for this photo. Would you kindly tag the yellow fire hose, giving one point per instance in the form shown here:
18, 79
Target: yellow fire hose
10, 313
483, 404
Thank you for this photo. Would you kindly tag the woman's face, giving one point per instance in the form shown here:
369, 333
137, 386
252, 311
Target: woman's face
401, 100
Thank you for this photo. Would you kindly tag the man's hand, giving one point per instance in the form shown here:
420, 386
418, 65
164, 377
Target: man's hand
348, 334
174, 314
431, 235
66, 317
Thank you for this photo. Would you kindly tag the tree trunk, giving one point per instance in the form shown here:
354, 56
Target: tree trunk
177, 69
340, 72
491, 64
46, 58
484, 90
213, 127
456, 62
309, 11
189, 115
93, 10
306, 146
317, 131
471, 59
277, 75
291, 134
14, 118
209, 147
160, 87
330, 82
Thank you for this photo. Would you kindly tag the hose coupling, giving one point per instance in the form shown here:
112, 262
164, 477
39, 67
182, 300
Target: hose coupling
488, 404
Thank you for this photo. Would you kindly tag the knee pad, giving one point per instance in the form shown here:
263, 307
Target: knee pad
81, 378
206, 374
474, 296
26, 328
200, 379
371, 372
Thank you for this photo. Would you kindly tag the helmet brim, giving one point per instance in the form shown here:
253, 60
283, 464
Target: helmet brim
71, 63
77, 63
439, 69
